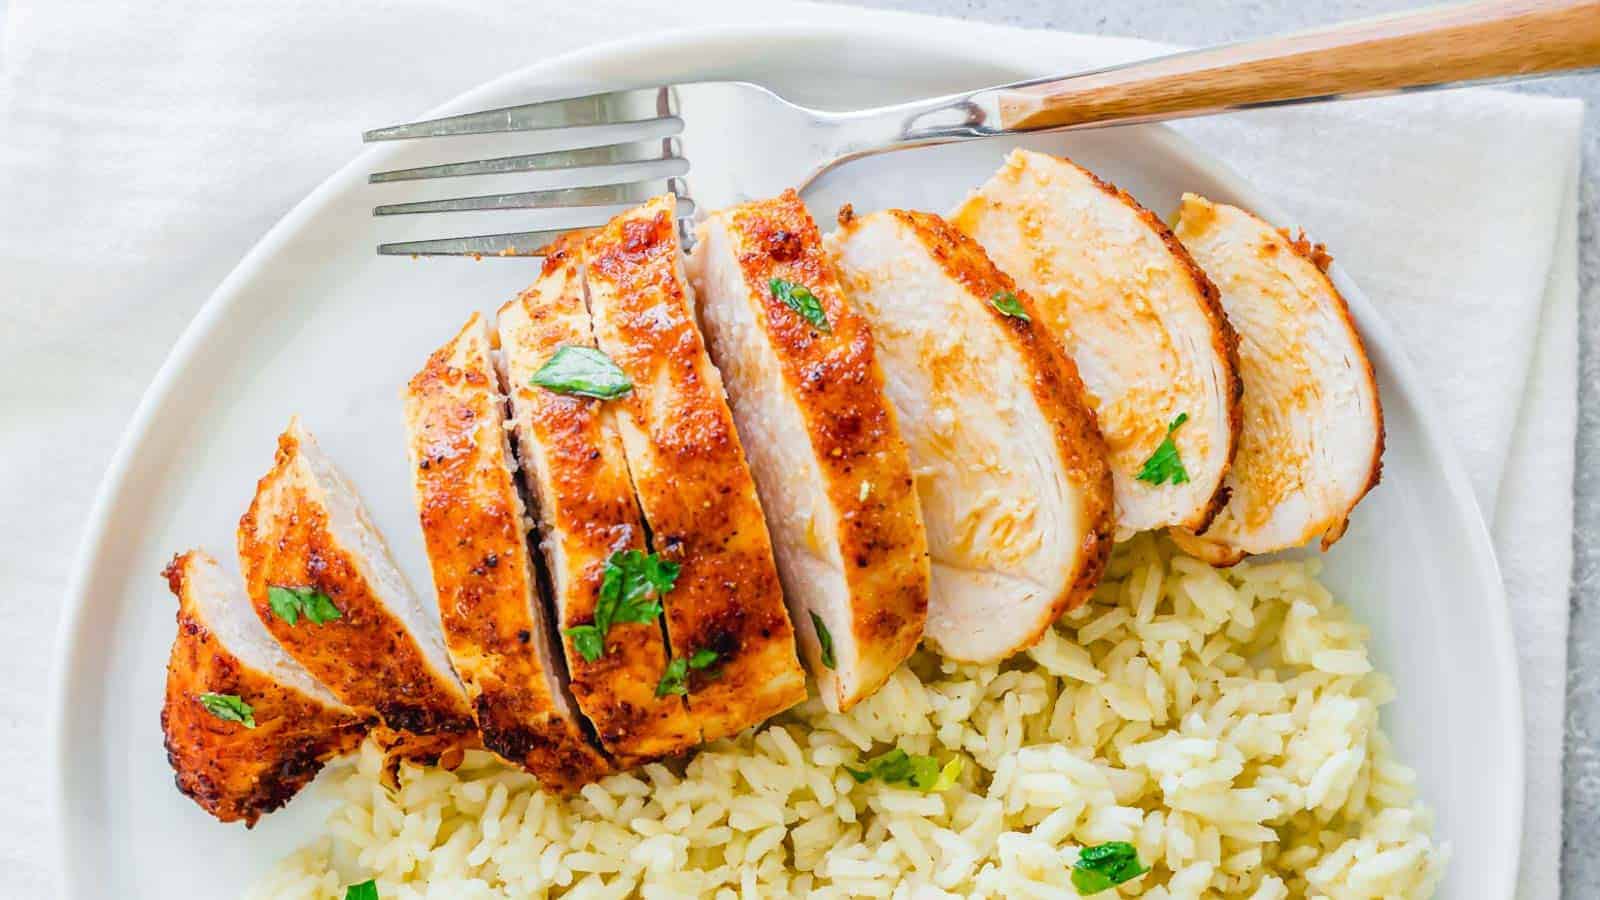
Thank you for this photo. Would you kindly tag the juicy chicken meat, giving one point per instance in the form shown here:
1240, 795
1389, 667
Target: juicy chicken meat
476, 533
690, 475
823, 443
577, 479
308, 535
246, 758
1011, 470
1138, 317
1313, 427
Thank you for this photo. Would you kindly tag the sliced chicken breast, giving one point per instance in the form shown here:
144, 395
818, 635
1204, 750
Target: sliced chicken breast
577, 477
1313, 425
1011, 470
1138, 317
246, 726
322, 581
689, 471
823, 443
476, 531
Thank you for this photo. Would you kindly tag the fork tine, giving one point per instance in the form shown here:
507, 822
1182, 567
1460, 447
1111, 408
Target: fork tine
612, 108
593, 165
613, 197
517, 243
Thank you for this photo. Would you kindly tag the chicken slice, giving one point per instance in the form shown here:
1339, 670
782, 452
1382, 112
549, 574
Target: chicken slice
321, 579
246, 726
822, 441
1313, 425
1137, 316
689, 472
576, 475
1011, 470
476, 532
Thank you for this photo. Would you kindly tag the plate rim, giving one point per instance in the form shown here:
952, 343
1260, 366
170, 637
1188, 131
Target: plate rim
872, 30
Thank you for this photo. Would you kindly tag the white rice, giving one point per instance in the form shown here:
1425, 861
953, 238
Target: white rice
1225, 723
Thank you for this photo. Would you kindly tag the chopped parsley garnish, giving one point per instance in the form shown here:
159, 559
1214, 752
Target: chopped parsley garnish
1007, 302
290, 603
675, 680
1164, 466
229, 708
1105, 866
583, 372
899, 767
366, 890
800, 299
630, 591
825, 639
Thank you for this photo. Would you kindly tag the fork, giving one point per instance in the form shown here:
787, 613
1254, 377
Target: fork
622, 147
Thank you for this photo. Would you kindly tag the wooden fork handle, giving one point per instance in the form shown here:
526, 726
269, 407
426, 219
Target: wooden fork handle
1442, 45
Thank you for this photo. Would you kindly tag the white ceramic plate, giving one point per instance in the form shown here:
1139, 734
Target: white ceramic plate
313, 322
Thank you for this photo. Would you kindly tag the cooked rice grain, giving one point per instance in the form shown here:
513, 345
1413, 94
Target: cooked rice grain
1225, 723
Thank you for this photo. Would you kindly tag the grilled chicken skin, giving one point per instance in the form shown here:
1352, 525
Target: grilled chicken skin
474, 527
307, 532
822, 440
689, 471
246, 727
1313, 425
1011, 469
1137, 316
577, 479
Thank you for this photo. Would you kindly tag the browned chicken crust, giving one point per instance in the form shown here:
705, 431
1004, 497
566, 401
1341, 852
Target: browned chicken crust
234, 772
1056, 388
1250, 258
577, 478
368, 657
691, 478
473, 525
854, 434
1222, 339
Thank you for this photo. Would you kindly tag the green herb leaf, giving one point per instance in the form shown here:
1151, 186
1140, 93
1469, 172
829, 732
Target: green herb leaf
1007, 302
229, 708
947, 776
290, 603
582, 372
366, 890
1105, 866
1164, 465
825, 639
702, 658
800, 299
630, 590
675, 680
588, 641
899, 767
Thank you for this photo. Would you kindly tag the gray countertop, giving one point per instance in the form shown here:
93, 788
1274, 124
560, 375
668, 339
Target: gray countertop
1215, 22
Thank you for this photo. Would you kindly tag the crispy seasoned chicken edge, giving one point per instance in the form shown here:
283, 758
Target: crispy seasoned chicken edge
831, 468
475, 530
1222, 338
1331, 526
306, 528
231, 770
689, 471
577, 480
1056, 388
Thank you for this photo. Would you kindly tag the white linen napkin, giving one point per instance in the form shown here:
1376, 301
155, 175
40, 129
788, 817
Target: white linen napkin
144, 148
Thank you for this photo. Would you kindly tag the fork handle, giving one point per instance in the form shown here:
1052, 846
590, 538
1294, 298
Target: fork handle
1475, 42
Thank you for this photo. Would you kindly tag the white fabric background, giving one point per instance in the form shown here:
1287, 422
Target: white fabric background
144, 148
